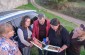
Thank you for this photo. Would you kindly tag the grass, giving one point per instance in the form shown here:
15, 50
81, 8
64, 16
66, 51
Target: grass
82, 52
68, 25
27, 6
78, 4
65, 23
75, 9
34, 51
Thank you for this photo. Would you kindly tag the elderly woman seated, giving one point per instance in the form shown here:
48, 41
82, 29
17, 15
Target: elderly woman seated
7, 46
77, 37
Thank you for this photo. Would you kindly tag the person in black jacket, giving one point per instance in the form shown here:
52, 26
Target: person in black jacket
58, 36
77, 37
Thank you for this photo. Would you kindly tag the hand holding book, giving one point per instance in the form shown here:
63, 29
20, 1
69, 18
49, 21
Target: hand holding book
37, 43
42, 46
62, 48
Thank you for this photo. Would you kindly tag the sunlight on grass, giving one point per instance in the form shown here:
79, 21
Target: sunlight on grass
27, 6
82, 52
65, 23
68, 25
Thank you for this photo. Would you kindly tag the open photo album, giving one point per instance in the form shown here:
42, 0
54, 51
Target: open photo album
43, 46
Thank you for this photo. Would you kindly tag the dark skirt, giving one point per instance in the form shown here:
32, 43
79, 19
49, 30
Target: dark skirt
74, 48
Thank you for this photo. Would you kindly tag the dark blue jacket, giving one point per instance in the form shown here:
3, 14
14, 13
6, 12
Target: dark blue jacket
21, 45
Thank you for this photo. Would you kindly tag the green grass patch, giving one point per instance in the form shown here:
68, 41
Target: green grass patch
27, 6
74, 9
68, 25
65, 23
82, 52
34, 50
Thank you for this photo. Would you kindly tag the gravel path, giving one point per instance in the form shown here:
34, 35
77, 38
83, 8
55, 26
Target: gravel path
68, 18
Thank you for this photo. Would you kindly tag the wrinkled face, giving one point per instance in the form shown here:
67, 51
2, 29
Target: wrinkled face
9, 32
54, 27
42, 21
27, 22
78, 31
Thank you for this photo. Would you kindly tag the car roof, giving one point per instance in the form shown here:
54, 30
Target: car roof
10, 15
7, 12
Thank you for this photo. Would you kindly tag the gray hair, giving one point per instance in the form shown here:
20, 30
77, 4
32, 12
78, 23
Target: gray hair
40, 16
4, 28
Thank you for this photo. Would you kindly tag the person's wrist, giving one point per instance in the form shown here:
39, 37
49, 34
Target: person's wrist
62, 48
46, 38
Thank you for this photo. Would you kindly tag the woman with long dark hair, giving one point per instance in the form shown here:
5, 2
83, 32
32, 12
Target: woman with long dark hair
24, 34
58, 36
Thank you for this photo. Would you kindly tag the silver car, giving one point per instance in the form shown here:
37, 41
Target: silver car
15, 17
